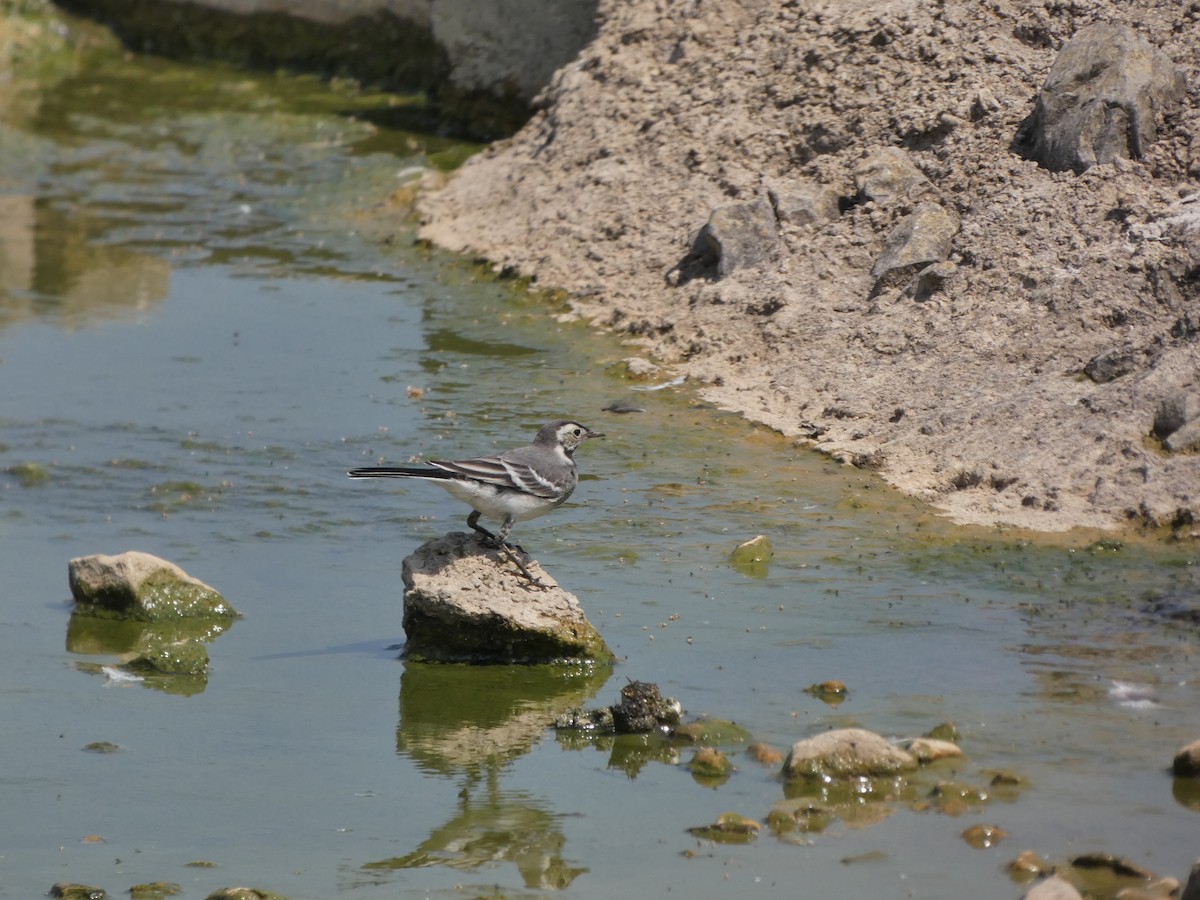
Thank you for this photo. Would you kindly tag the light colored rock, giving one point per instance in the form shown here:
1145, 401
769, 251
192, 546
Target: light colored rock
926, 750
919, 239
1101, 100
805, 204
465, 601
141, 586
890, 178
1053, 888
846, 753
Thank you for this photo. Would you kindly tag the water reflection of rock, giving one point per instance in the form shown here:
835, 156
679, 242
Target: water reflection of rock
49, 266
489, 826
131, 640
471, 721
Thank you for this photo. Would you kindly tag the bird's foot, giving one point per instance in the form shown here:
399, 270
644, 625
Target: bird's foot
508, 551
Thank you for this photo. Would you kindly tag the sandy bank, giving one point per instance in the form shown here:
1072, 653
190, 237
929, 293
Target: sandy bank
970, 393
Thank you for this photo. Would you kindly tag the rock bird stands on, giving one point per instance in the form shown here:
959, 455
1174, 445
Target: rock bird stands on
510, 487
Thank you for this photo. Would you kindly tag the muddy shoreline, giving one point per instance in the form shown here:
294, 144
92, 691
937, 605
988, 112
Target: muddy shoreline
973, 397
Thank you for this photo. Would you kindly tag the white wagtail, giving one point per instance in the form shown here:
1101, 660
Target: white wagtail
509, 487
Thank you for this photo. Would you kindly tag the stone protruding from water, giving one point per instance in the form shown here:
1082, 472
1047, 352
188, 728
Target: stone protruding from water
846, 753
141, 586
465, 601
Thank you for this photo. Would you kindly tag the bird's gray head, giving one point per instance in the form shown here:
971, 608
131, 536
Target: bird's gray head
565, 434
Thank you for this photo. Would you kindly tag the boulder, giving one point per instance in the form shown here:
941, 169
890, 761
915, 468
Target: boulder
1174, 411
889, 178
740, 235
1101, 100
464, 601
846, 753
919, 239
805, 204
140, 586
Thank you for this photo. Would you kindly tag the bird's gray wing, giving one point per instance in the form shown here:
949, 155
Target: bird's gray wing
503, 472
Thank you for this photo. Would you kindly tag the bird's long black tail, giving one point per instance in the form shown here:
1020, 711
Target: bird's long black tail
398, 472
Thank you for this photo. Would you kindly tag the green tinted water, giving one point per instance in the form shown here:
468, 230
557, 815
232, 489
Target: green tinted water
196, 343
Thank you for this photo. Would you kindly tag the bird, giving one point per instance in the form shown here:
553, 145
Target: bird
509, 487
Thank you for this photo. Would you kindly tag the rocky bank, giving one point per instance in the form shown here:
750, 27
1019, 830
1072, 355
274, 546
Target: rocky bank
1017, 382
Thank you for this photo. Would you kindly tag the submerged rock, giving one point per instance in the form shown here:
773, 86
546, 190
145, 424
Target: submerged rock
68, 891
140, 586
464, 601
846, 753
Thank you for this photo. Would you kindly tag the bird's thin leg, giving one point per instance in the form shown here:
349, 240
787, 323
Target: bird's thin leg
473, 521
507, 549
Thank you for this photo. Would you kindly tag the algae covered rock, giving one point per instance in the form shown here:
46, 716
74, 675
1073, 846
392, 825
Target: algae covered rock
141, 586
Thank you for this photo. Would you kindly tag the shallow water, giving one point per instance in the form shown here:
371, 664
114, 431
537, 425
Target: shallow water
194, 347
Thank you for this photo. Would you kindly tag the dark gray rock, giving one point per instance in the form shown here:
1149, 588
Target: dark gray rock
740, 235
1174, 411
1112, 364
464, 601
1101, 101
919, 239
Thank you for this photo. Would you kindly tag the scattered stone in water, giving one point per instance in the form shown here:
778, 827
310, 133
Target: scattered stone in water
1114, 864
1187, 761
102, 747
709, 763
954, 798
846, 753
831, 692
712, 731
764, 755
201, 864
68, 891
244, 893
642, 709
928, 750
465, 602
152, 889
729, 828
622, 407
983, 836
799, 814
946, 731
141, 586
751, 557
1028, 865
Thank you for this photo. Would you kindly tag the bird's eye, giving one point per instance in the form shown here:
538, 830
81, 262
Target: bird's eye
578, 432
